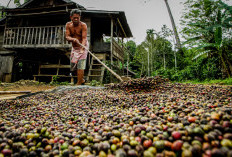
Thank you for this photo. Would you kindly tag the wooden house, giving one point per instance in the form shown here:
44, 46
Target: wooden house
33, 44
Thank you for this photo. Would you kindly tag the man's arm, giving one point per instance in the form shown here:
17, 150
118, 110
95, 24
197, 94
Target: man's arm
68, 34
84, 34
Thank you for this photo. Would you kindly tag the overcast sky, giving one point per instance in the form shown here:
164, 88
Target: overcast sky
141, 14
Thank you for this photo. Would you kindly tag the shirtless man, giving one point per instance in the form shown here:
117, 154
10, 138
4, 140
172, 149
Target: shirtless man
76, 32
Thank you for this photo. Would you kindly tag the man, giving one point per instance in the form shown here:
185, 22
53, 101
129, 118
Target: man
76, 32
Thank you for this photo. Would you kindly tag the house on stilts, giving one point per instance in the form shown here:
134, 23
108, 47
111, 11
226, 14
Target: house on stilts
33, 44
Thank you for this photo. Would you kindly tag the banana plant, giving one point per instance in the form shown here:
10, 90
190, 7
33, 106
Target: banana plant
222, 22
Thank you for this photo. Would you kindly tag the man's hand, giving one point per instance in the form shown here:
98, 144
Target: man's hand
76, 41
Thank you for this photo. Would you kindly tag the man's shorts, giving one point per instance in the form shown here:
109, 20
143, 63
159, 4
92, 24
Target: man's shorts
81, 64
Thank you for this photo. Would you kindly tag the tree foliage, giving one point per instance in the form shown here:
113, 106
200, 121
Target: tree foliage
1, 12
207, 26
155, 52
207, 53
18, 3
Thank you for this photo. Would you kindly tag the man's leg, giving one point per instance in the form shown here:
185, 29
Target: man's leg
73, 71
80, 71
80, 76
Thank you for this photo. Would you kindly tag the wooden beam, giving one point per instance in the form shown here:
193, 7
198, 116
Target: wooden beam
32, 36
47, 40
111, 45
21, 35
10, 35
55, 38
40, 13
36, 35
43, 35
121, 27
14, 34
58, 69
38, 46
4, 36
25, 35
17, 38
28, 37
51, 35
40, 31
33, 9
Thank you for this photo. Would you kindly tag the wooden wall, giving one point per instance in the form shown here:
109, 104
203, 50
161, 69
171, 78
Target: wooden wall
6, 60
6, 65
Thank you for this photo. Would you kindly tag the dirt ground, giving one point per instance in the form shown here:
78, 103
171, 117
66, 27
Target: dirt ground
23, 85
32, 88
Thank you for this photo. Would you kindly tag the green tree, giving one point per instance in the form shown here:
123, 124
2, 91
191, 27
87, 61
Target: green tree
155, 52
1, 12
207, 24
129, 61
140, 55
177, 38
18, 3
131, 48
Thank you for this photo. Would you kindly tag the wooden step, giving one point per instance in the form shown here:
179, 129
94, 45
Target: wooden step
96, 69
100, 56
49, 75
54, 66
95, 75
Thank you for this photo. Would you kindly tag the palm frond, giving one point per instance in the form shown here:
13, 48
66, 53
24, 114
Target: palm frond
213, 26
227, 22
197, 24
192, 39
226, 7
200, 31
200, 54
206, 45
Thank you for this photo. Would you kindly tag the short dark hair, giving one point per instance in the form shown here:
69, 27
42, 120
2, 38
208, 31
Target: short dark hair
75, 11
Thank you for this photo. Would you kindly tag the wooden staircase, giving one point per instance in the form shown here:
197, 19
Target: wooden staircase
51, 71
96, 70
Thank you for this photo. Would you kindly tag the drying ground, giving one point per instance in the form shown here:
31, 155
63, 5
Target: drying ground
169, 120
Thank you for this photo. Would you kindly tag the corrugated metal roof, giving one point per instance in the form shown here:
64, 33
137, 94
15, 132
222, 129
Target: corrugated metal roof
66, 1
116, 14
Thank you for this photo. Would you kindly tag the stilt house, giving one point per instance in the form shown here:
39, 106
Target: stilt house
33, 44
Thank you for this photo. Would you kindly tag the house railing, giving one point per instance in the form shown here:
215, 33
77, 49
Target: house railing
35, 37
118, 51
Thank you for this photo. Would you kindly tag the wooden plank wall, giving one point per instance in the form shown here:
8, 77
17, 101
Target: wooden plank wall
6, 66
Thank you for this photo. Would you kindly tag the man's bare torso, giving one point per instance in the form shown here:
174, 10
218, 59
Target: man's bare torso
75, 32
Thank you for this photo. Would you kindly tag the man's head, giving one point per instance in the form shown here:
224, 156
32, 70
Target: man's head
75, 16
